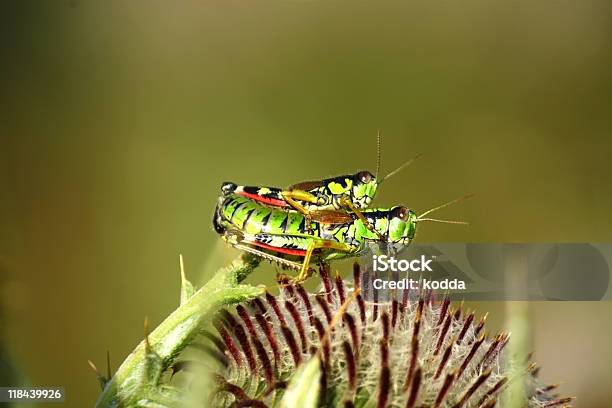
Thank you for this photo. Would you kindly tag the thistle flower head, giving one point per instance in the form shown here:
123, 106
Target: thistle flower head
407, 352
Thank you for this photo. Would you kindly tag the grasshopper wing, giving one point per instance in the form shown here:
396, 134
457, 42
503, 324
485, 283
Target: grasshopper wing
306, 185
331, 217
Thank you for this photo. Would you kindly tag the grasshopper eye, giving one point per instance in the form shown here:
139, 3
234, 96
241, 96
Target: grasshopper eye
400, 212
365, 176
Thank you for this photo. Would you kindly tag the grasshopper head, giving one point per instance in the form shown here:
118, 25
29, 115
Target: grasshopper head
364, 188
402, 225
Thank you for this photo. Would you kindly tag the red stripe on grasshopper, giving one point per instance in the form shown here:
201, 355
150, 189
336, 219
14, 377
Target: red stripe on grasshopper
266, 200
287, 251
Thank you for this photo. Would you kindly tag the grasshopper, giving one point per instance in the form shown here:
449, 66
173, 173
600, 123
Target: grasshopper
350, 193
291, 239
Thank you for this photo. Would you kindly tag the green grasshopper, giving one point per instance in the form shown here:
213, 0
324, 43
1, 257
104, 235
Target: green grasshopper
351, 193
291, 239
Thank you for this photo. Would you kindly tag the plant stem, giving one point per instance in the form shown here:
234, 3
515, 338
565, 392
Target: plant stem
137, 378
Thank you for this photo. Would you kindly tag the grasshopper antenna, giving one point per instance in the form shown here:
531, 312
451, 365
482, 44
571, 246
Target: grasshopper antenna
422, 217
455, 201
443, 221
400, 168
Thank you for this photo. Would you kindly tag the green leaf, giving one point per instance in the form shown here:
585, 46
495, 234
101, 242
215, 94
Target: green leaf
304, 387
187, 289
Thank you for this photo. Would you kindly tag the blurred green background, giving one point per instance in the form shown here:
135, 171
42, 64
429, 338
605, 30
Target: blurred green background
121, 119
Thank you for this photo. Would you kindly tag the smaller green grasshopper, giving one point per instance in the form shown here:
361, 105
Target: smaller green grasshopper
351, 193
291, 239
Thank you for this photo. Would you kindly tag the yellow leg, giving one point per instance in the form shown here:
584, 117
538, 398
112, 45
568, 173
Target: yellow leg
292, 196
348, 203
318, 244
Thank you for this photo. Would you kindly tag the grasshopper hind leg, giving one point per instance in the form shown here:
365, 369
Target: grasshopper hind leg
237, 240
319, 244
269, 257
